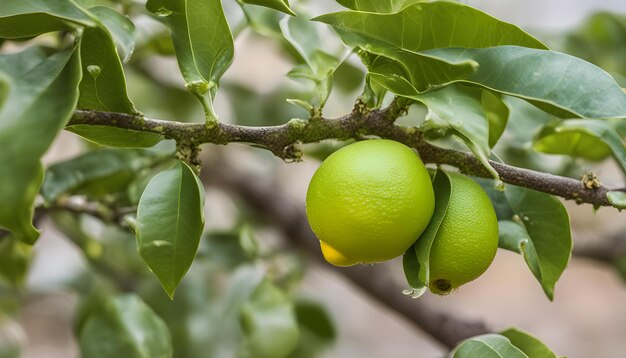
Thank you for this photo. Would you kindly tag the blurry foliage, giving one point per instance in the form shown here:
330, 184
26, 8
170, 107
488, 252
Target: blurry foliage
237, 298
601, 39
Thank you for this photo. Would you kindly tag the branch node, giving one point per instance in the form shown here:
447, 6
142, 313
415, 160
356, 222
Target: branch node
316, 114
360, 108
297, 125
399, 107
590, 180
189, 152
292, 153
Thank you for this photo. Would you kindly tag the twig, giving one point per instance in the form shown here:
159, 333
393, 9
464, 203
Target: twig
98, 210
446, 329
281, 140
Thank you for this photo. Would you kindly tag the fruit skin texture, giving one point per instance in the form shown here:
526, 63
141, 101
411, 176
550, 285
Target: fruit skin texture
369, 201
467, 240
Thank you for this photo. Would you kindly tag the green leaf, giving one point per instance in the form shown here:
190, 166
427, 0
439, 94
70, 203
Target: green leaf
399, 39
547, 245
15, 257
202, 40
224, 249
528, 344
139, 184
425, 26
514, 237
269, 323
263, 21
525, 121
461, 109
115, 137
617, 199
487, 346
318, 66
558, 83
442, 187
170, 221
280, 5
119, 26
411, 268
125, 326
317, 329
586, 138
72, 175
378, 6
22, 19
316, 319
497, 114
600, 40
42, 97
497, 197
373, 93
426, 61
103, 87
302, 36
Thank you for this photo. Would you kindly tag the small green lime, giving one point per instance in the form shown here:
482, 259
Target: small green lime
369, 201
467, 240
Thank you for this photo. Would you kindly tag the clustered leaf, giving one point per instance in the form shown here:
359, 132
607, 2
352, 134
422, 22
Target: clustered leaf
318, 66
397, 46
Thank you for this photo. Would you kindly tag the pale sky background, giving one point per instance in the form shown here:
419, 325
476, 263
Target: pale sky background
550, 15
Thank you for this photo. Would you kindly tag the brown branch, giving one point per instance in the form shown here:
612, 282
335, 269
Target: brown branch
291, 219
282, 141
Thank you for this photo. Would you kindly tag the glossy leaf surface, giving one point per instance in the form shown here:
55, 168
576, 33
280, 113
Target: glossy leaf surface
42, 96
170, 221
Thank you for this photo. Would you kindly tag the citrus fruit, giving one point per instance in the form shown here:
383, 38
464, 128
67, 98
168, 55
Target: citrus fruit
467, 240
369, 201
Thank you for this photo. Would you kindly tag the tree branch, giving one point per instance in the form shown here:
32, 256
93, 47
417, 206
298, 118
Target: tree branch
291, 219
283, 139
78, 205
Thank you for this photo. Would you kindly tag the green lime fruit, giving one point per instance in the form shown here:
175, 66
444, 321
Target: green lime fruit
467, 240
369, 201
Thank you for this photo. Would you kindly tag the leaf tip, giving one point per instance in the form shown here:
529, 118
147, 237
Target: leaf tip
549, 291
617, 199
170, 289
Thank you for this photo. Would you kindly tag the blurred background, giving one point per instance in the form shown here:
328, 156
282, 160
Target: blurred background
586, 319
